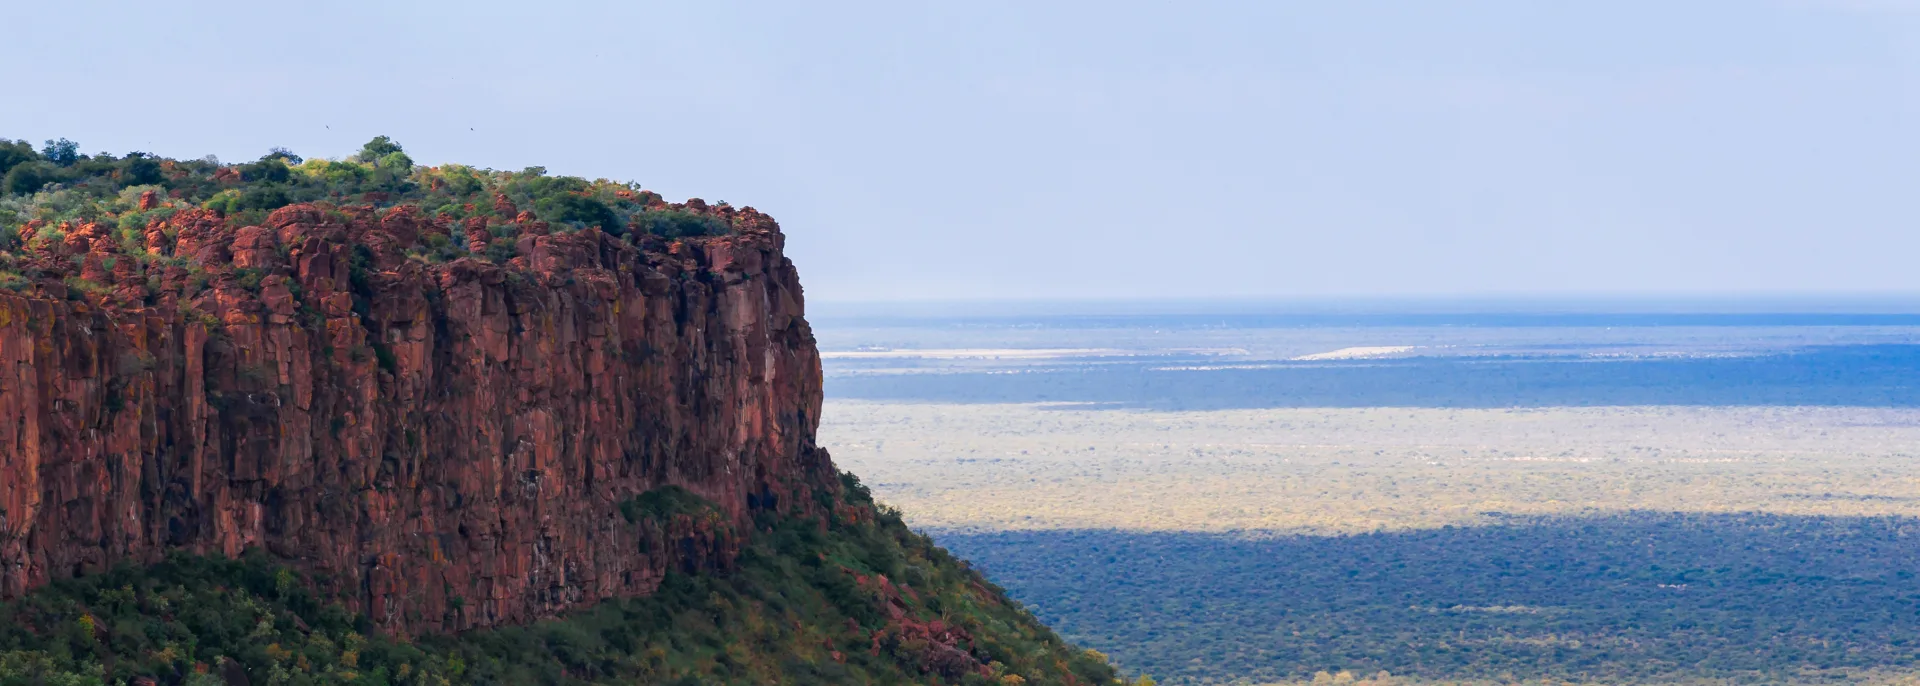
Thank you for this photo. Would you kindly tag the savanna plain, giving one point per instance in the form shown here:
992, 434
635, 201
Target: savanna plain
1484, 542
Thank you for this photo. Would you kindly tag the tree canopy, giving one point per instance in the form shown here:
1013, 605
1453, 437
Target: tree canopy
56, 183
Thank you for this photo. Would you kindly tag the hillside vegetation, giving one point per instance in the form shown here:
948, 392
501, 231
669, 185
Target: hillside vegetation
49, 193
858, 600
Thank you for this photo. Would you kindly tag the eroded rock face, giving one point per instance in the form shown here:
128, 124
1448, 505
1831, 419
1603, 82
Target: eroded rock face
444, 444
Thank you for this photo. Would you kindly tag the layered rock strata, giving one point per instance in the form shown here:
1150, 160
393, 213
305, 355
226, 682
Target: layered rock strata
445, 444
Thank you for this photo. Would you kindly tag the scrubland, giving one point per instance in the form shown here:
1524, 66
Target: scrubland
1607, 545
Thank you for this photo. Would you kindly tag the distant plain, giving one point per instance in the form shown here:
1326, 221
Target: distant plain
1235, 500
1355, 470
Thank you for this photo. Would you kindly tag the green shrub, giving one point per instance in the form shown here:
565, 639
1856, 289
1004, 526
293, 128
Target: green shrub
663, 503
62, 152
379, 147
28, 178
15, 153
260, 198
58, 184
579, 210
680, 224
795, 611
140, 169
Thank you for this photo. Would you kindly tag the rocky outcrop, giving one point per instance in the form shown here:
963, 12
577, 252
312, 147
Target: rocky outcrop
445, 444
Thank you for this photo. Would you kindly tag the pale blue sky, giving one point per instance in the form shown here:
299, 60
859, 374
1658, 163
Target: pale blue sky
1110, 149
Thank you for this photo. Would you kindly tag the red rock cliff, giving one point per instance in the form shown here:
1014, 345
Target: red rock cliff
446, 443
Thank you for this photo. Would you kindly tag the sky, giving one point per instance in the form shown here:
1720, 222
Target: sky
1095, 150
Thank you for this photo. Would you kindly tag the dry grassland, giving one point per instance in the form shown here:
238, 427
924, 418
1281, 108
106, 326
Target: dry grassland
999, 467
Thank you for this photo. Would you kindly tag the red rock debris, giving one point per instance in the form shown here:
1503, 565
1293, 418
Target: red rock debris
933, 645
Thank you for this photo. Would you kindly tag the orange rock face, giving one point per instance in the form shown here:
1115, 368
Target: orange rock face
444, 445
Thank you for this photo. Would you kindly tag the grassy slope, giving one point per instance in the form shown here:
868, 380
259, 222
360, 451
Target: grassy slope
859, 600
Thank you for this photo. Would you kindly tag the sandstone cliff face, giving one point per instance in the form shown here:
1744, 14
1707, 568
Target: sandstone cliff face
444, 444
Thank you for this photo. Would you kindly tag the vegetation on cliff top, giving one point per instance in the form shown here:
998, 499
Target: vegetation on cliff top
861, 600
52, 194
57, 184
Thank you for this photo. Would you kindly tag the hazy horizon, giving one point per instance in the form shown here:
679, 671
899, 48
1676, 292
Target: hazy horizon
1395, 304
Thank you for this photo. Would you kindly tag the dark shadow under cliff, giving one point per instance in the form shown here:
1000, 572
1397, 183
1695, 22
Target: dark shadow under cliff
1628, 598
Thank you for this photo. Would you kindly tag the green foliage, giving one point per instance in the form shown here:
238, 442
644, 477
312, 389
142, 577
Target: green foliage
13, 281
805, 606
260, 198
249, 278
57, 184
140, 169
164, 620
663, 504
28, 178
501, 250
15, 153
270, 169
379, 147
62, 152
346, 177
24, 667
398, 161
679, 224
579, 210
79, 285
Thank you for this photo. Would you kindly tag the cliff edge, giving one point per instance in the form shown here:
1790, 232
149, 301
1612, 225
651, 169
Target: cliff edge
417, 432
437, 404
